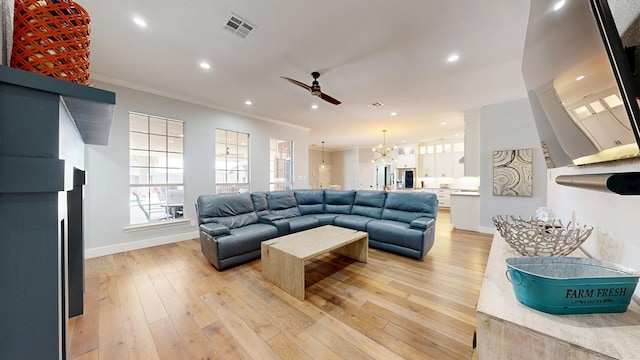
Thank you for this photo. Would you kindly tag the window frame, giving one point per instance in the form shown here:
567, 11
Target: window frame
232, 161
279, 164
156, 168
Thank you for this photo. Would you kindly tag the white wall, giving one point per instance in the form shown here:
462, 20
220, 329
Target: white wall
616, 235
508, 126
107, 189
345, 168
315, 159
472, 141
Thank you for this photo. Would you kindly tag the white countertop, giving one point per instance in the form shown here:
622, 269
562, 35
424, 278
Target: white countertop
465, 193
615, 335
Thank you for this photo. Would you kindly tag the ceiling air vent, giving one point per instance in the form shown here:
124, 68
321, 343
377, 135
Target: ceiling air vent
238, 26
375, 105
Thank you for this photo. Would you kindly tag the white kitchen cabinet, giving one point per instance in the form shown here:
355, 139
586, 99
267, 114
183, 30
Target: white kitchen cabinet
457, 165
443, 194
444, 164
406, 157
465, 210
444, 198
428, 163
441, 160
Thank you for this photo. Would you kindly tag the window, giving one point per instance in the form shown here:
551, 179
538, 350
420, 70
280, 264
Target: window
232, 161
156, 189
280, 165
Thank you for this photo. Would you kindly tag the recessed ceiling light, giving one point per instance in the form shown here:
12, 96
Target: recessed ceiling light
394, 113
140, 22
205, 65
314, 106
248, 102
558, 5
443, 123
456, 135
580, 78
453, 58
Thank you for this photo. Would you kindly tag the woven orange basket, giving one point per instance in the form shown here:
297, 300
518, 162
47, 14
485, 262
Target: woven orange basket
51, 37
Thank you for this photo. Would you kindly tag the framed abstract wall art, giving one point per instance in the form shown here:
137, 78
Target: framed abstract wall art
513, 172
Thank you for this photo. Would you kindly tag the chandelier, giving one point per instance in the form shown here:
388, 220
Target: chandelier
382, 152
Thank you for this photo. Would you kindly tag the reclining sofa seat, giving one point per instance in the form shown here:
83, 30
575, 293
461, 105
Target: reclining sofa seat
367, 206
233, 226
283, 203
325, 205
407, 224
230, 230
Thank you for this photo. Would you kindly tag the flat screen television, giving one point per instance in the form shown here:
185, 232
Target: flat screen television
580, 69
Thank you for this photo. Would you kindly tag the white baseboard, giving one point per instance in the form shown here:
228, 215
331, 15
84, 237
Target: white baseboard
487, 230
135, 245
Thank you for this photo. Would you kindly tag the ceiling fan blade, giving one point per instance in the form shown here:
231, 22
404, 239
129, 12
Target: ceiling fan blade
328, 98
303, 85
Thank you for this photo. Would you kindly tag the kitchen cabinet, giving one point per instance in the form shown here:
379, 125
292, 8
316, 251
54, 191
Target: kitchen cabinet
444, 164
427, 165
443, 194
406, 156
465, 210
597, 115
441, 160
457, 161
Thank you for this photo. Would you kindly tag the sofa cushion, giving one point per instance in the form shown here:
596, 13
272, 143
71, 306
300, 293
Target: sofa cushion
338, 201
283, 203
356, 222
407, 206
325, 219
260, 203
310, 201
304, 222
397, 233
244, 239
369, 203
230, 210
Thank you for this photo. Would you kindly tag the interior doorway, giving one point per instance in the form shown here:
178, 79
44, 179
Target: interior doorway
367, 177
384, 177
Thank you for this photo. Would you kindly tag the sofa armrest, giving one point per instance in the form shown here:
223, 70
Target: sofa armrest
278, 221
270, 218
422, 223
215, 229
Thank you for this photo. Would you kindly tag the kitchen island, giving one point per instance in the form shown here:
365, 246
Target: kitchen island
465, 210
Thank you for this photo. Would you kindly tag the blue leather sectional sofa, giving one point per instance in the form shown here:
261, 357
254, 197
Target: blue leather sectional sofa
232, 226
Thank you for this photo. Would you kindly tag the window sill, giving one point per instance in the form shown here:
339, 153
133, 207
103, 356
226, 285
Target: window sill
156, 225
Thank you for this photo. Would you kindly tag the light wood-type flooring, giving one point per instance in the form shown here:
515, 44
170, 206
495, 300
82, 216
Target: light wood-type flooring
168, 302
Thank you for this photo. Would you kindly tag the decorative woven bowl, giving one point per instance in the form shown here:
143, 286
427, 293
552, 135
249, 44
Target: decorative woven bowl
534, 237
51, 37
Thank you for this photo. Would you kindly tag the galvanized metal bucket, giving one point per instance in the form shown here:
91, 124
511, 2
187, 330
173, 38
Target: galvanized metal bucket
570, 285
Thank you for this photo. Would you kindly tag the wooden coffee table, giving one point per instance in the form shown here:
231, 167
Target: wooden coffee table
283, 258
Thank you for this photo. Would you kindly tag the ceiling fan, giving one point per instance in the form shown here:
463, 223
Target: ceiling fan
315, 88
